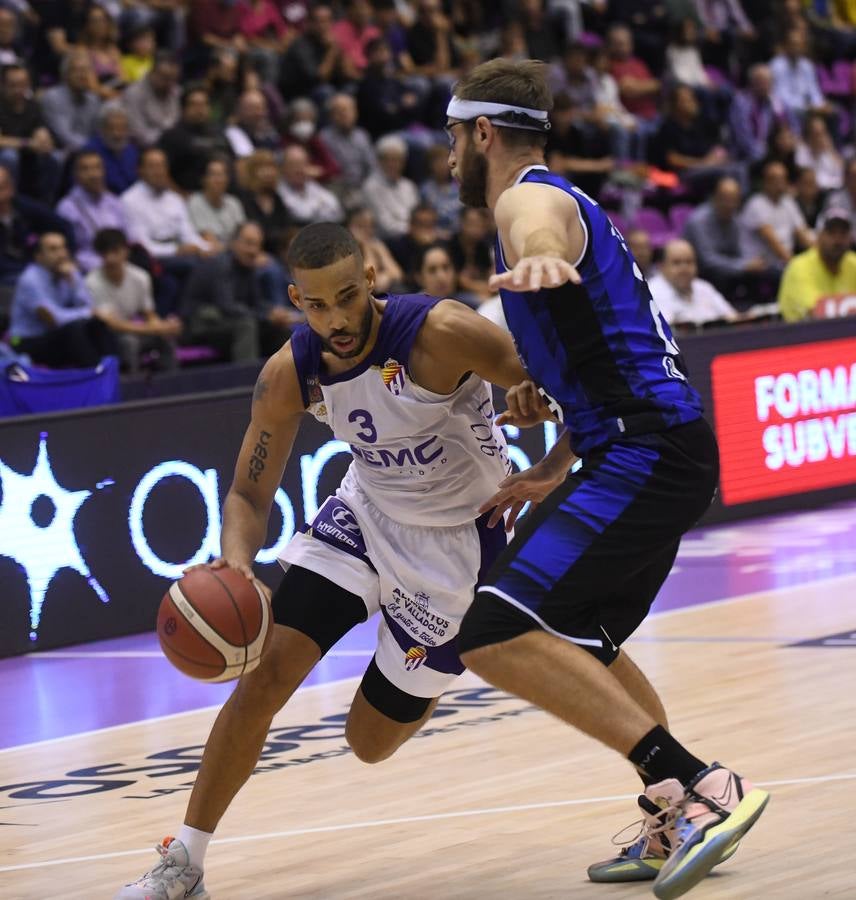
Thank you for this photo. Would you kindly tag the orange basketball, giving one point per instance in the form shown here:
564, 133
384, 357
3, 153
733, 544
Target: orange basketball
214, 624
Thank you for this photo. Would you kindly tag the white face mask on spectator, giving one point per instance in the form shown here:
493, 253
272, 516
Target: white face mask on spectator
302, 130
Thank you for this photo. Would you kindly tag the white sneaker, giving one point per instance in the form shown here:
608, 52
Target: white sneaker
173, 878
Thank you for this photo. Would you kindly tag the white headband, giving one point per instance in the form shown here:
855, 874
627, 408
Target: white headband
472, 109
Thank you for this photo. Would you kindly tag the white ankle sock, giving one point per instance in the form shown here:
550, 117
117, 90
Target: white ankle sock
196, 842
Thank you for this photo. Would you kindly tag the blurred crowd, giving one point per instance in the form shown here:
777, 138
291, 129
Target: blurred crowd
157, 157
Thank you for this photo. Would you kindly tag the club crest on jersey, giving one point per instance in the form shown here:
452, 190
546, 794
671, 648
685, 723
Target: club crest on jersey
414, 658
314, 390
393, 376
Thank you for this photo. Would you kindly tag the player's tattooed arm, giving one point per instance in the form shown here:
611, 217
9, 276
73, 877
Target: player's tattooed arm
257, 460
277, 410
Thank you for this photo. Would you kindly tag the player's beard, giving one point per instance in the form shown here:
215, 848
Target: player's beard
361, 337
473, 179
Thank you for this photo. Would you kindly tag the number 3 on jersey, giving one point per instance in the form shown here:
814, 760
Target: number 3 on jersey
363, 418
672, 349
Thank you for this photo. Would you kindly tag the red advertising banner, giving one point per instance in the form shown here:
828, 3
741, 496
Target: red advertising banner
785, 419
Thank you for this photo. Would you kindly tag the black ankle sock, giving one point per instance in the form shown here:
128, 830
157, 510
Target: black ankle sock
659, 756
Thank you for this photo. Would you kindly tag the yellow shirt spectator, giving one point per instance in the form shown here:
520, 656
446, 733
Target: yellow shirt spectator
827, 269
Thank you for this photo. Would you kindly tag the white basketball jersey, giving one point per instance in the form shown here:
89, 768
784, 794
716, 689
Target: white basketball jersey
421, 458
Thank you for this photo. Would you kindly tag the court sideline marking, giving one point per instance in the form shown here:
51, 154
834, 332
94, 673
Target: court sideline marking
657, 615
406, 820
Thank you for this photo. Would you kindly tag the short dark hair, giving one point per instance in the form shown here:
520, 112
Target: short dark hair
83, 154
320, 245
195, 87
109, 239
424, 251
522, 83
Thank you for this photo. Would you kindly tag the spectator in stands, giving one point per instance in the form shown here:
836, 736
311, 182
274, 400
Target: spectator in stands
846, 197
683, 59
720, 241
639, 243
223, 81
21, 220
158, 215
429, 41
159, 220
774, 222
212, 24
472, 255
153, 103
608, 105
302, 131
26, 145
89, 207
216, 214
252, 128
71, 108
574, 78
389, 195
385, 101
230, 303
543, 29
817, 151
388, 273
637, 87
825, 270
138, 61
352, 33
688, 143
795, 83
650, 25
52, 320
10, 50
314, 59
754, 114
578, 145
681, 296
350, 145
421, 233
112, 142
266, 35
261, 201
193, 140
98, 39
435, 272
304, 198
810, 198
782, 148
441, 191
122, 298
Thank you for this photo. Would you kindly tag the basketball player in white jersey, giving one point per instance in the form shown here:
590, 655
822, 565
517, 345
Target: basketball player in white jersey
400, 380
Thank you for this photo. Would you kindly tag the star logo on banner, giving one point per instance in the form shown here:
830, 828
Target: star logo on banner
37, 529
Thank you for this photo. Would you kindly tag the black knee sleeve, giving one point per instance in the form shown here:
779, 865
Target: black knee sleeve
315, 606
390, 700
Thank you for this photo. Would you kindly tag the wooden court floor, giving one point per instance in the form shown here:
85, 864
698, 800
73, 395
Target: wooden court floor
494, 800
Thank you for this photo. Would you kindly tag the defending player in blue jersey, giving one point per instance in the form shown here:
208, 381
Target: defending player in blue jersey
550, 617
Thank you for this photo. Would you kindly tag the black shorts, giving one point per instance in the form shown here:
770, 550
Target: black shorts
589, 562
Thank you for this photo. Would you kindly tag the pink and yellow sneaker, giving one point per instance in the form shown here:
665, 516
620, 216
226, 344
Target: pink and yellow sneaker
647, 851
707, 819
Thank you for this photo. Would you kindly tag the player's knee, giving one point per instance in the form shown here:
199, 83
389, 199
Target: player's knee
481, 659
285, 663
369, 748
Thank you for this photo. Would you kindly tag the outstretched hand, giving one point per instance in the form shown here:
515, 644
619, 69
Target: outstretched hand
535, 272
531, 486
